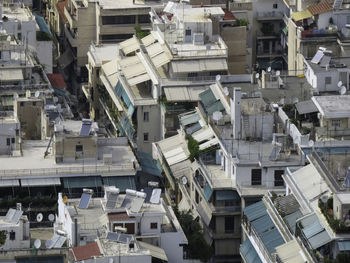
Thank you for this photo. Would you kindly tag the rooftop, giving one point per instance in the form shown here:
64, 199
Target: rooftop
19, 13
123, 4
103, 53
33, 163
335, 64
337, 106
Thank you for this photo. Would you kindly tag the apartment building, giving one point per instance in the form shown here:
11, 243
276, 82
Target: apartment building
101, 22
141, 219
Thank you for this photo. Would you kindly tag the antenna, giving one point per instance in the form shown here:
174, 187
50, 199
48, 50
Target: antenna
37, 243
39, 217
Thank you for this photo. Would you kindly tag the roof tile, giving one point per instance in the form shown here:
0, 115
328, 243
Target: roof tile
320, 8
86, 252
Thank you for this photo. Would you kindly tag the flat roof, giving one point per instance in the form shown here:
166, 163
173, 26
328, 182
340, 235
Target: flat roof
103, 53
336, 106
124, 4
334, 60
19, 13
33, 164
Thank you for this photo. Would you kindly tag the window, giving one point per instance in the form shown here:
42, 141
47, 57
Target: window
275, 6
17, 132
21, 104
229, 224
112, 20
336, 123
34, 103
256, 176
8, 141
146, 116
13, 140
154, 225
145, 136
328, 80
188, 32
192, 74
278, 177
144, 19
79, 148
12, 235
197, 197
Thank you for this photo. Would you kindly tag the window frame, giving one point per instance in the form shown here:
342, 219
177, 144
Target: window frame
256, 181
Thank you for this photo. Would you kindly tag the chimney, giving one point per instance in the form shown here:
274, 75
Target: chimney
236, 113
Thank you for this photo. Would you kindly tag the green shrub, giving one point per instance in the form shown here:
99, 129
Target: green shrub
193, 147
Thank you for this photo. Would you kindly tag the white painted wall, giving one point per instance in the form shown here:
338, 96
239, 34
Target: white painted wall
21, 232
323, 20
25, 28
145, 224
44, 54
170, 242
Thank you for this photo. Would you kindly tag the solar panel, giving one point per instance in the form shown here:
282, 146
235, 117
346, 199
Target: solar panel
317, 58
111, 200
148, 192
325, 61
155, 195
113, 236
125, 238
127, 201
16, 216
137, 204
52, 242
60, 242
85, 200
275, 152
85, 129
10, 214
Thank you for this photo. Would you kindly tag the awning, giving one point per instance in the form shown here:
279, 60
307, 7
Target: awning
203, 135
82, 181
208, 191
344, 245
184, 93
40, 181
129, 45
208, 144
226, 195
307, 106
249, 253
156, 252
189, 119
205, 214
11, 75
297, 16
255, 211
9, 182
187, 66
121, 182
290, 252
66, 58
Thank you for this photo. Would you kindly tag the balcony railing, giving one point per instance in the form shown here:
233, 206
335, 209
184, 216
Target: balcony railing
316, 33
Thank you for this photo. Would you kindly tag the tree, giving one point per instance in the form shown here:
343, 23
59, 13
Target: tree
198, 248
139, 32
2, 237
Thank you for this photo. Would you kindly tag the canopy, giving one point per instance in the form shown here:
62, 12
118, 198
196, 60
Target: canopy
40, 181
297, 16
156, 252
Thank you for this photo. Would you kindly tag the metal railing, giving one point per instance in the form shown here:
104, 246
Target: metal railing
82, 169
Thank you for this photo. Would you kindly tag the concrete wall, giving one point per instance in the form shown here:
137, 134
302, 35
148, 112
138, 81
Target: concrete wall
27, 29
145, 224
21, 230
44, 53
8, 131
152, 127
260, 126
323, 20
170, 242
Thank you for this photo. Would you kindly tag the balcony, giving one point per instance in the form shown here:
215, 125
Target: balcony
71, 37
312, 34
72, 18
269, 16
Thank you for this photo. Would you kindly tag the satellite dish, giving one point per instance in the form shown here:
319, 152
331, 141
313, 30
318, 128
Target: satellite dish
324, 198
311, 143
39, 217
340, 83
295, 100
217, 115
51, 217
37, 94
55, 99
347, 222
65, 199
184, 180
15, 96
257, 75
269, 69
342, 90
278, 73
37, 243
218, 77
49, 243
226, 91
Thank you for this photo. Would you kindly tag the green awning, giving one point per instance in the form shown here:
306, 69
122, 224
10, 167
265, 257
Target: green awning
226, 195
121, 182
82, 181
207, 192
